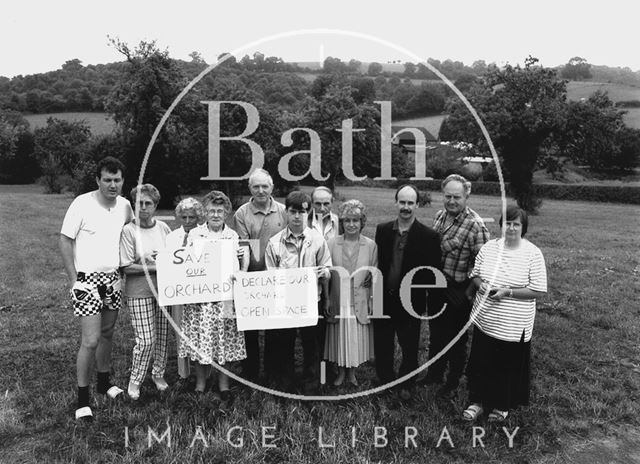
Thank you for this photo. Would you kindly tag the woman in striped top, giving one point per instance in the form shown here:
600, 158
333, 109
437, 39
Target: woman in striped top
509, 274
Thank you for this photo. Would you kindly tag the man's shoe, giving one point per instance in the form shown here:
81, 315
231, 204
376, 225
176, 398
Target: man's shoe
84, 414
113, 392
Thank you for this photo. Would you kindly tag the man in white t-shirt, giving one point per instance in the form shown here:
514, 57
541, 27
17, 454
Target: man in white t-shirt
89, 244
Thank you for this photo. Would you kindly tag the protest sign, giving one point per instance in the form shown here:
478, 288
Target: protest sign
276, 299
196, 274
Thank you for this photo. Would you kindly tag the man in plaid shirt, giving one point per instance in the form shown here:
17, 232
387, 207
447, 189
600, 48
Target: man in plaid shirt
462, 234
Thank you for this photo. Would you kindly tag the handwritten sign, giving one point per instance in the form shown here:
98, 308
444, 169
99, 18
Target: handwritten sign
196, 274
276, 299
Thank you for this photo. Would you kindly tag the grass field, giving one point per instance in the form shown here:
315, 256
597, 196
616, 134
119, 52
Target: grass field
99, 123
617, 92
586, 363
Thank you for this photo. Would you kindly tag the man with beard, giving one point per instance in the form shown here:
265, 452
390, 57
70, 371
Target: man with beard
404, 244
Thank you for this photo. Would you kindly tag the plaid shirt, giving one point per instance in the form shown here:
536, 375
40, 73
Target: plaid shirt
461, 241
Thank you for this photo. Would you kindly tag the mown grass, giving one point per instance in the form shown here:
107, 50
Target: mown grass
617, 92
585, 357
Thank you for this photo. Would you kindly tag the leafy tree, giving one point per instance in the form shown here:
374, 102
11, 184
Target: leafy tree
59, 147
364, 90
589, 134
521, 108
334, 65
629, 142
17, 162
595, 134
148, 86
354, 66
325, 116
576, 69
322, 83
374, 69
409, 69
479, 67
196, 57
465, 81
422, 72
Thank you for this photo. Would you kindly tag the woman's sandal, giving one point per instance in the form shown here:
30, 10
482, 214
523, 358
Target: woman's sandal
472, 412
497, 415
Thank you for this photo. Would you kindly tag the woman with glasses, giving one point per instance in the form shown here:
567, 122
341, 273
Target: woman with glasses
210, 329
509, 275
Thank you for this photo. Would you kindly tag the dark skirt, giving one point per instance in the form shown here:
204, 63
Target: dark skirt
498, 372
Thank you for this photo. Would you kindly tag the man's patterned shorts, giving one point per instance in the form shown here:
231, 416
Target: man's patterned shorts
95, 292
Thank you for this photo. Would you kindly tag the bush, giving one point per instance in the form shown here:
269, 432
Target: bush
611, 194
628, 104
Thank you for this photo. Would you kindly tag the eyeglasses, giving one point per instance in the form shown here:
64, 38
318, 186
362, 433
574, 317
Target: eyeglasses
215, 212
296, 212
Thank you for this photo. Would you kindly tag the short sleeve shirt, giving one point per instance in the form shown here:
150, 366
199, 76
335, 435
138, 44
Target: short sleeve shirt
96, 231
135, 243
251, 223
508, 319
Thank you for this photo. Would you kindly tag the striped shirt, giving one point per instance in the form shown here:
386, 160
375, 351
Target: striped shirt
498, 266
460, 240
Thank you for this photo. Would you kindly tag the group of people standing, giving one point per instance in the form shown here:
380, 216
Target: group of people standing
493, 282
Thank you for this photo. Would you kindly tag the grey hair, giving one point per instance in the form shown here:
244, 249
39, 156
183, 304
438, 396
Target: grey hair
458, 178
321, 188
216, 197
260, 172
190, 203
147, 189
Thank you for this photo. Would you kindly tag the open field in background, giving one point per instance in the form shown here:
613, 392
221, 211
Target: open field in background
431, 123
586, 362
100, 123
617, 92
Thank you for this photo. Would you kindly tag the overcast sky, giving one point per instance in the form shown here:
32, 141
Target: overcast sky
39, 36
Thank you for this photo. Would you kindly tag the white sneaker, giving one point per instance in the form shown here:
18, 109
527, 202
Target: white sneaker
161, 383
114, 391
84, 413
133, 391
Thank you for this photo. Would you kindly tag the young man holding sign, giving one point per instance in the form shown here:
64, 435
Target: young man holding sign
295, 247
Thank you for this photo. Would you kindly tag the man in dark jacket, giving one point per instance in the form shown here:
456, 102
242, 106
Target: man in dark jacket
405, 244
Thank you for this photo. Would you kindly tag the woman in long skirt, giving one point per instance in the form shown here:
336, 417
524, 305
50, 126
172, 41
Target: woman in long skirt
349, 335
509, 274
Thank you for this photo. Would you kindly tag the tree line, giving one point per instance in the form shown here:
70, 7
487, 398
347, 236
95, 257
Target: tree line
524, 108
76, 87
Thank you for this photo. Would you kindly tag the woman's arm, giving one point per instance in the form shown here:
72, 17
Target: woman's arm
519, 293
138, 269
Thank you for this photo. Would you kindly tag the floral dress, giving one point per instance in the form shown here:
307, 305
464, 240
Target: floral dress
210, 329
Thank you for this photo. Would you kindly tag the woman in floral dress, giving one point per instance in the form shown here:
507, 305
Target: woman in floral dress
210, 329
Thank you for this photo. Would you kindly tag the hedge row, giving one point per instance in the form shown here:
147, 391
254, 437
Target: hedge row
602, 193
611, 194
